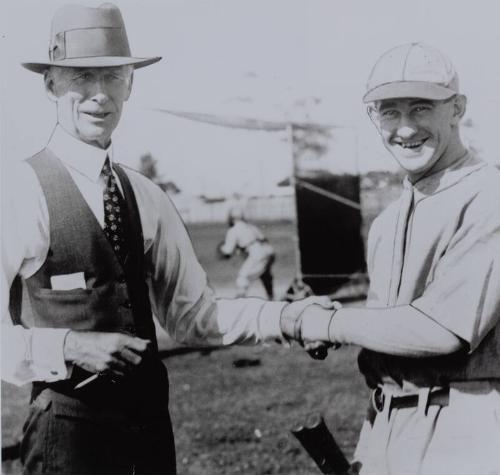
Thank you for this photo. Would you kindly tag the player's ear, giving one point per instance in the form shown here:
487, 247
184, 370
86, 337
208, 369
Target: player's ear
459, 108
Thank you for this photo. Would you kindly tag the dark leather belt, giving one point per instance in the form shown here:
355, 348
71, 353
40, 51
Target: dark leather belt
440, 397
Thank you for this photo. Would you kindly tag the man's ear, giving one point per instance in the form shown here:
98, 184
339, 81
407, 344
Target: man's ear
459, 108
130, 83
50, 86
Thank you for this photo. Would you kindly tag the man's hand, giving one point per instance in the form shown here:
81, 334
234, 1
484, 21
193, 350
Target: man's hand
114, 354
291, 323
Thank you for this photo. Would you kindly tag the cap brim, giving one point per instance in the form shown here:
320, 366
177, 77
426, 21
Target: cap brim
92, 62
401, 89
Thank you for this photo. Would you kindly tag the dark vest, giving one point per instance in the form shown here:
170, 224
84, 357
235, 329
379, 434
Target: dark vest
115, 298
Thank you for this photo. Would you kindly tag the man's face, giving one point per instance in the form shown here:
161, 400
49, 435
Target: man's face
89, 100
416, 131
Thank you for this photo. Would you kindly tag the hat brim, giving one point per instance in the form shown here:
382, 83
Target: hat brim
92, 62
401, 89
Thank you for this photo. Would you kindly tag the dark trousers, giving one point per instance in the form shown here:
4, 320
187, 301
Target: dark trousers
65, 437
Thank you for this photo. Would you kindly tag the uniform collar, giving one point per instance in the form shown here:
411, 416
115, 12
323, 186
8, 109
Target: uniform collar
84, 158
439, 181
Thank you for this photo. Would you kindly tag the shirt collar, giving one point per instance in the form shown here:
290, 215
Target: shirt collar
84, 158
432, 184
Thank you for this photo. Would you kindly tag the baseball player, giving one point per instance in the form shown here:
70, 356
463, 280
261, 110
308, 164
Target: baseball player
430, 333
260, 254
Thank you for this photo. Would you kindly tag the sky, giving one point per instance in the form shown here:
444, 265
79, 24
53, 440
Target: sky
277, 60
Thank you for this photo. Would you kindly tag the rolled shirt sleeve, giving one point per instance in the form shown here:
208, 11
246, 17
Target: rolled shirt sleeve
464, 294
183, 301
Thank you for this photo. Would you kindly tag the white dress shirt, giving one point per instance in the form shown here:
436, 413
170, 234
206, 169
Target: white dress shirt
193, 315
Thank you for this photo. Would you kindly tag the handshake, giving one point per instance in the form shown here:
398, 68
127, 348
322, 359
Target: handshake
308, 322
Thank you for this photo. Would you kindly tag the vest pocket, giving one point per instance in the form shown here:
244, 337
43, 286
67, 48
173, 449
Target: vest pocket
62, 298
73, 309
64, 294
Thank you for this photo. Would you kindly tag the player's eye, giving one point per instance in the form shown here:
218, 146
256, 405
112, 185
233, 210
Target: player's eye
388, 114
422, 108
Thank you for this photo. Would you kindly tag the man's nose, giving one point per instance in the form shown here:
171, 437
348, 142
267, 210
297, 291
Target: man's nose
99, 92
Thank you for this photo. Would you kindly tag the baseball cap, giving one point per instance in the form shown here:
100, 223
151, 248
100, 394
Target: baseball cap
412, 70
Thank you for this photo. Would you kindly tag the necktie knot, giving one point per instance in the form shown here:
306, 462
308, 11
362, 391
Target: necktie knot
106, 171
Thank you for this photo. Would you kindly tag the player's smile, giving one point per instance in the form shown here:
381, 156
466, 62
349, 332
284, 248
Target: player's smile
414, 144
412, 147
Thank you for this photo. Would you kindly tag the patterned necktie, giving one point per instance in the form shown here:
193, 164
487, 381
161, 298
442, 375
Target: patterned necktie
114, 206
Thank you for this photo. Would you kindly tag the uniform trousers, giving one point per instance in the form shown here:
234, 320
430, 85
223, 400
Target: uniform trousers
259, 261
462, 438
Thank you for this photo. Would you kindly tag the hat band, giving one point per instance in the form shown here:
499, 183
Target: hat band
89, 42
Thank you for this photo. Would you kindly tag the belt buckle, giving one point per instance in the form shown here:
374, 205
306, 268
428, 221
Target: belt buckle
378, 399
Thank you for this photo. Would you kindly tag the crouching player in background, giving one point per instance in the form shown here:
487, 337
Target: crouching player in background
260, 255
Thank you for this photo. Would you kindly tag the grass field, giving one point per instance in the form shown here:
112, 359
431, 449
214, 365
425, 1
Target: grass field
230, 420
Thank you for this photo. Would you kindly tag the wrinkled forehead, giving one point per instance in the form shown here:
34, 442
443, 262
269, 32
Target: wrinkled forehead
401, 102
58, 72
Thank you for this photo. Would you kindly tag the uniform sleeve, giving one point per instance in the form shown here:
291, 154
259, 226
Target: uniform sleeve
464, 294
183, 301
27, 354
231, 241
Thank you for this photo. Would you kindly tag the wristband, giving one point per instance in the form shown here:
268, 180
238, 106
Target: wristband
292, 326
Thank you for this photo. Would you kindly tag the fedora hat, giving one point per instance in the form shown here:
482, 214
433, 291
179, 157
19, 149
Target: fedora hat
83, 37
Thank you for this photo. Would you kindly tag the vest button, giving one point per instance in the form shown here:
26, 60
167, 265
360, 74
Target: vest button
121, 279
127, 304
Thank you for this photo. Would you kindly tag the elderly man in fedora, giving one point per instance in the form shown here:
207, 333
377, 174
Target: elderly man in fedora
99, 248
430, 332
